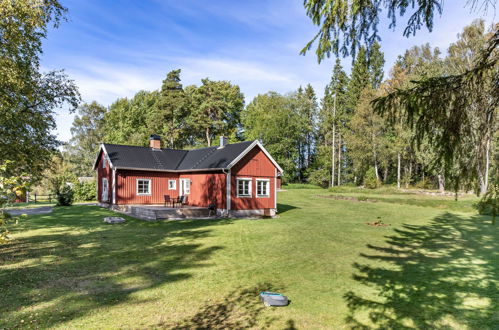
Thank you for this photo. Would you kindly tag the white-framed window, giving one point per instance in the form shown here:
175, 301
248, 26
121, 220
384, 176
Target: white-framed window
104, 160
172, 184
143, 186
262, 187
244, 187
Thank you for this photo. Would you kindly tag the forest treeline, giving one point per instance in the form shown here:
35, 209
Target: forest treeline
338, 139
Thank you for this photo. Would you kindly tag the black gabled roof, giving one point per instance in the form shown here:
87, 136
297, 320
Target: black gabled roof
147, 158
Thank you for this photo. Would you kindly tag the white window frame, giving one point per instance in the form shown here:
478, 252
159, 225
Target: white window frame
106, 181
249, 187
104, 160
174, 187
149, 187
183, 186
267, 188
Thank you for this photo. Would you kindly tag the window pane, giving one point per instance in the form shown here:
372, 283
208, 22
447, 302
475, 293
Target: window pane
243, 187
143, 186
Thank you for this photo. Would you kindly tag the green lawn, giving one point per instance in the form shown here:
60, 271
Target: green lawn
433, 267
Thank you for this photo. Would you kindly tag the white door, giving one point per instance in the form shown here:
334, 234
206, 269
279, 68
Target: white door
105, 190
185, 187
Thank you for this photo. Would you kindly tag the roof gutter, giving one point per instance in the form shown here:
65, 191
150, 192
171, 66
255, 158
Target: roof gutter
172, 171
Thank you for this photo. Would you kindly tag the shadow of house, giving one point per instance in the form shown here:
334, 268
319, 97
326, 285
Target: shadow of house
442, 275
84, 264
281, 208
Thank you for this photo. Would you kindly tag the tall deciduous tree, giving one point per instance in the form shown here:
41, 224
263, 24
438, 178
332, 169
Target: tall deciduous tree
128, 121
272, 118
28, 97
87, 134
216, 108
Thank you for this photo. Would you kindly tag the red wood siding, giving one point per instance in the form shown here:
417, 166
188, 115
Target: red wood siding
207, 188
126, 189
255, 165
104, 173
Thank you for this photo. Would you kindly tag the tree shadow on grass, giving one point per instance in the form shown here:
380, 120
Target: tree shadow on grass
74, 263
441, 276
240, 309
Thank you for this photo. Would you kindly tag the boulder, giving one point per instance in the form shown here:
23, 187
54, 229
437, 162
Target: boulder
114, 220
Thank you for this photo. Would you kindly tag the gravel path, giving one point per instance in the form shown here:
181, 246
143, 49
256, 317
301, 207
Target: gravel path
30, 211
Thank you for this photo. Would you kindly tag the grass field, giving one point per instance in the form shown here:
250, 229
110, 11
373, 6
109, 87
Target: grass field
435, 266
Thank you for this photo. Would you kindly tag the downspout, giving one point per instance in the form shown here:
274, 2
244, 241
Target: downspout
114, 186
227, 189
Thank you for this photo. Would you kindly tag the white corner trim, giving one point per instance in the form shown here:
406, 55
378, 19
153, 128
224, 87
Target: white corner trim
103, 148
275, 189
228, 196
114, 186
250, 147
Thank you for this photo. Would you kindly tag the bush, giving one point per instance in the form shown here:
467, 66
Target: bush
489, 204
320, 178
370, 180
65, 196
423, 184
301, 186
85, 191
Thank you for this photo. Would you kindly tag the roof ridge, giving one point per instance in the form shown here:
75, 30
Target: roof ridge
159, 163
182, 159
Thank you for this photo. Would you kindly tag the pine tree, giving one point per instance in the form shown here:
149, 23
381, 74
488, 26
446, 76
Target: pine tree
331, 124
172, 110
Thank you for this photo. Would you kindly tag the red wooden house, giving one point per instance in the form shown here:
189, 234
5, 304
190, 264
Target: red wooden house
238, 178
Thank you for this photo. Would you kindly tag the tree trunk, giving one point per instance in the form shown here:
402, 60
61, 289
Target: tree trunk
208, 138
375, 158
398, 170
385, 174
408, 182
333, 160
441, 183
333, 150
339, 160
484, 177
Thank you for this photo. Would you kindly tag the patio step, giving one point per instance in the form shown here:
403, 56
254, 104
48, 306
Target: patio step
156, 212
182, 213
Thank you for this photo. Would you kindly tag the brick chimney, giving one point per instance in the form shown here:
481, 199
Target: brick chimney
223, 141
155, 141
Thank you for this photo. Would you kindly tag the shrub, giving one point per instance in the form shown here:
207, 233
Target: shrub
65, 196
370, 180
489, 203
85, 191
423, 184
320, 178
301, 186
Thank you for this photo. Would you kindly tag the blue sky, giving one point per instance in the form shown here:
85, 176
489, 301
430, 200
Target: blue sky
115, 48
